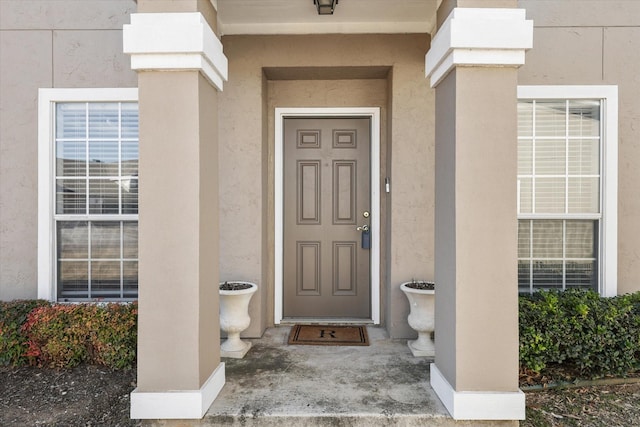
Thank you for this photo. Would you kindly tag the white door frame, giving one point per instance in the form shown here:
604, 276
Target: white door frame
372, 113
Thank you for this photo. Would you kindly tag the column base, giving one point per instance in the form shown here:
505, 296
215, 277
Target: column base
417, 351
236, 354
178, 404
478, 405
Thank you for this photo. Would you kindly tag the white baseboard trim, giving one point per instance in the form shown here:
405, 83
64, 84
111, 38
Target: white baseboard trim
178, 404
478, 405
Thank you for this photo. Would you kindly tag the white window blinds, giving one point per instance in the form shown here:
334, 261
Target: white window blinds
559, 180
559, 157
96, 200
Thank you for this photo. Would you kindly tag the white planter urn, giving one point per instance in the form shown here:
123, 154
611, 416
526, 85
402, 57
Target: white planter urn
421, 317
234, 317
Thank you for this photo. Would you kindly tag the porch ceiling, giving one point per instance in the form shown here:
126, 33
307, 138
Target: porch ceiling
350, 17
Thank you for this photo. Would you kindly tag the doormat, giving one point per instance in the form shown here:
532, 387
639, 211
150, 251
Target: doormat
328, 335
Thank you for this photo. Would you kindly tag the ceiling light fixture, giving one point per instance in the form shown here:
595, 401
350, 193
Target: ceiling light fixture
325, 7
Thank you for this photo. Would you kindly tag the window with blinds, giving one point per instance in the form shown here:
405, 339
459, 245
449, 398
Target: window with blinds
96, 200
559, 193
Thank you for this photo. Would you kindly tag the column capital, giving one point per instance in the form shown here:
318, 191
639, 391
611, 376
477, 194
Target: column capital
479, 37
175, 42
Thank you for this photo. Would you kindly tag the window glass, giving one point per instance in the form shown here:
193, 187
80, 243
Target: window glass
581, 239
550, 195
71, 158
71, 118
96, 149
584, 195
550, 118
583, 157
584, 118
556, 254
104, 120
129, 120
71, 196
559, 144
525, 118
547, 239
73, 240
103, 158
105, 239
550, 157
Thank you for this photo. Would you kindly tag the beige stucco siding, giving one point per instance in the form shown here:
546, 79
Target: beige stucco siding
445, 255
597, 45
411, 232
65, 14
21, 55
45, 44
178, 231
475, 227
582, 13
622, 64
246, 161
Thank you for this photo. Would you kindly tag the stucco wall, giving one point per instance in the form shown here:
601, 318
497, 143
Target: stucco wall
45, 44
67, 43
579, 42
243, 167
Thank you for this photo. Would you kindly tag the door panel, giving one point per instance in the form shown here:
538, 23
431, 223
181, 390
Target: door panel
326, 191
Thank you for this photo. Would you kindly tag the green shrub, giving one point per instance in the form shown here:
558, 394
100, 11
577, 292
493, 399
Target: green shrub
65, 335
57, 335
114, 341
594, 335
13, 343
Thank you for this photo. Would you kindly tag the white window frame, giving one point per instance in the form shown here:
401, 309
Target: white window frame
608, 231
47, 100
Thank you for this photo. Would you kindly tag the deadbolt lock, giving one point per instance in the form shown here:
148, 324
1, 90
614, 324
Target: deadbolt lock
365, 214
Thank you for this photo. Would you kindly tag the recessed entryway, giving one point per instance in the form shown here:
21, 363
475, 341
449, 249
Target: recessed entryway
327, 214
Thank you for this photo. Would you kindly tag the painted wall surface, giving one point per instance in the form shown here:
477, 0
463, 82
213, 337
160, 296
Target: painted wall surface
486, 230
596, 45
244, 155
475, 225
205, 7
178, 222
445, 244
45, 44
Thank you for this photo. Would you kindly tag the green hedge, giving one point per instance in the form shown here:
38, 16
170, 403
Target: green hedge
593, 335
65, 335
13, 342
581, 330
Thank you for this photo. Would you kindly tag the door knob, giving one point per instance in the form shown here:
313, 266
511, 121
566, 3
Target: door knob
364, 228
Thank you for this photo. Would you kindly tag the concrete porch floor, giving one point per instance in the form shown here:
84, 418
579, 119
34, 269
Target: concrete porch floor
277, 384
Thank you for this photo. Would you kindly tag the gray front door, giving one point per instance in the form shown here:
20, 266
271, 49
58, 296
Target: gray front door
326, 197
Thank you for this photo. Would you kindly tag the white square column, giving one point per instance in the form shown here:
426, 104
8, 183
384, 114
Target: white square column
181, 68
473, 64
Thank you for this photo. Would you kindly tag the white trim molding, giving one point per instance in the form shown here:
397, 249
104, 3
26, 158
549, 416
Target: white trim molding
47, 98
178, 404
608, 237
479, 37
478, 405
374, 114
175, 42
